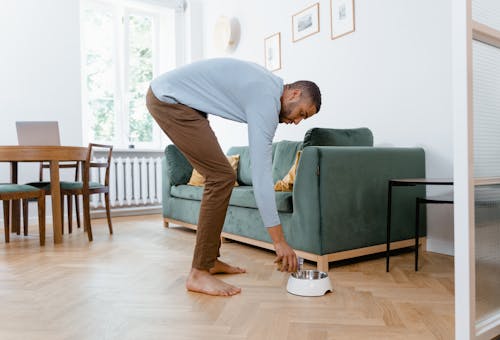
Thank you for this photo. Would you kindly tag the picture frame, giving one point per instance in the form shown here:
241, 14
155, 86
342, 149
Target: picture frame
342, 18
272, 52
305, 23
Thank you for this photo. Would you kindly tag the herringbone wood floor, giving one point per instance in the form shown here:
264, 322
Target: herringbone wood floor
131, 286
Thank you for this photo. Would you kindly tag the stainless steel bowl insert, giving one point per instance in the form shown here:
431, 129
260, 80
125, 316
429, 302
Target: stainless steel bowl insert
309, 275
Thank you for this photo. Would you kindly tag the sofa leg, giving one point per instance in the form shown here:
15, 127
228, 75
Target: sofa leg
165, 223
322, 264
224, 240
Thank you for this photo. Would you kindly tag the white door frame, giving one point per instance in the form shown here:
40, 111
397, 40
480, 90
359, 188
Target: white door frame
465, 30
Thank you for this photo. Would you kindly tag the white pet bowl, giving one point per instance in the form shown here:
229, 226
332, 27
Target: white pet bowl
309, 283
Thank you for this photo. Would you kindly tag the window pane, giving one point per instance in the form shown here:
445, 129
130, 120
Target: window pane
487, 236
487, 12
486, 83
99, 72
140, 75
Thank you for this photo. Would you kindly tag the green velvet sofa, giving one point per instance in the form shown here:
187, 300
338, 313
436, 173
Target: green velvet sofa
338, 206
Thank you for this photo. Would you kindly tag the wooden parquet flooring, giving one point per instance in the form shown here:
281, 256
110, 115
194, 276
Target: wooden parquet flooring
131, 286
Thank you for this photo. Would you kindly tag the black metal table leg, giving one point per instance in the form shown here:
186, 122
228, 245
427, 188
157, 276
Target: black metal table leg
419, 201
388, 244
417, 223
412, 182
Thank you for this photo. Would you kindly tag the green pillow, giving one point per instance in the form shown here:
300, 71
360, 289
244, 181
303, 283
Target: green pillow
338, 137
178, 167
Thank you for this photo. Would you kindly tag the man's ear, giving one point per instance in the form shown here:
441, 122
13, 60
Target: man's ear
295, 94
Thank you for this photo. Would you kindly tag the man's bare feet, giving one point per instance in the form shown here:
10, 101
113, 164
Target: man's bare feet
202, 281
224, 268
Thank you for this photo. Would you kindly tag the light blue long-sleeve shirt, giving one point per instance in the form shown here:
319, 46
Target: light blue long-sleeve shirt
241, 91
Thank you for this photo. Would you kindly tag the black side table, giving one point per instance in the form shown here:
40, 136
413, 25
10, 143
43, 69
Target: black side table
445, 199
407, 182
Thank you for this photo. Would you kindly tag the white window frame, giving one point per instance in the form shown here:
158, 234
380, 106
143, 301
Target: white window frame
164, 59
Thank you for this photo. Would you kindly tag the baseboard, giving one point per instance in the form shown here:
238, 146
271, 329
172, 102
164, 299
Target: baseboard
101, 213
439, 246
130, 211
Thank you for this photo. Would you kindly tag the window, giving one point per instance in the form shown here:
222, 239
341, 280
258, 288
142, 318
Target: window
121, 54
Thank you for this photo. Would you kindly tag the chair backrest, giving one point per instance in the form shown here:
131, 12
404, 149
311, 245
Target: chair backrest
90, 163
46, 165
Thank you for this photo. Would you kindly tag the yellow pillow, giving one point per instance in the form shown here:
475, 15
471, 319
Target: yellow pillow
286, 184
198, 180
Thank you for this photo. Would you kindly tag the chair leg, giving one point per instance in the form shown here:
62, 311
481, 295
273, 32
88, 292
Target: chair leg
41, 218
70, 213
86, 216
108, 212
62, 214
16, 217
77, 208
25, 216
6, 215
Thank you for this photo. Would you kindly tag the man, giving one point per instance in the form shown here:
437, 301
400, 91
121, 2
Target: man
244, 92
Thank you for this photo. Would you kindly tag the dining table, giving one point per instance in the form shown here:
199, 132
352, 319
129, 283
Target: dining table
52, 154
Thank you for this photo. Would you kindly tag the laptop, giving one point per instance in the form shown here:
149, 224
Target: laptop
38, 133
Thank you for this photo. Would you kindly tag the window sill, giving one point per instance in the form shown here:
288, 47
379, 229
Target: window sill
124, 152
137, 150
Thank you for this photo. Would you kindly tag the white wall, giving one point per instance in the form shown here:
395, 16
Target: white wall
39, 71
392, 75
40, 68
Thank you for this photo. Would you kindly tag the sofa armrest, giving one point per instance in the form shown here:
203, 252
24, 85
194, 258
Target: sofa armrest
345, 196
305, 227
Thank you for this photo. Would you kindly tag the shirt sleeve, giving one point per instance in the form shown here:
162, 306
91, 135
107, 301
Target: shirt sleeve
262, 119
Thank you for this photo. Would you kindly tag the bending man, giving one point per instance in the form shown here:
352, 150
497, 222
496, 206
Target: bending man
241, 91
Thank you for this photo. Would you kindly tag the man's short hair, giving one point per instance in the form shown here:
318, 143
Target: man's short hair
310, 89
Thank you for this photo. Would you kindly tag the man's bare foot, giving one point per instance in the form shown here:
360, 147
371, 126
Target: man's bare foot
202, 281
224, 268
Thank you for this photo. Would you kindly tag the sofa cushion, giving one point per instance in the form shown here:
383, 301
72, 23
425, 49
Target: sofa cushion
244, 175
178, 167
284, 157
338, 137
241, 196
198, 179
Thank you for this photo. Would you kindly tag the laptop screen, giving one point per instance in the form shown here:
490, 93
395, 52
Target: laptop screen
38, 133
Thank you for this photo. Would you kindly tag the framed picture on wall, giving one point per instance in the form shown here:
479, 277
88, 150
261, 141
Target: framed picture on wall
305, 23
272, 52
342, 17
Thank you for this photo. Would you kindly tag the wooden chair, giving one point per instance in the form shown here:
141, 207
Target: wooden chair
45, 185
13, 192
87, 188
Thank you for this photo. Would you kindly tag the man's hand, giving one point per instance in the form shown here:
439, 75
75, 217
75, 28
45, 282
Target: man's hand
285, 254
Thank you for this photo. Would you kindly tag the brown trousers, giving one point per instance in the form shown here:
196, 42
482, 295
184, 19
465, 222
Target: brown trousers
190, 131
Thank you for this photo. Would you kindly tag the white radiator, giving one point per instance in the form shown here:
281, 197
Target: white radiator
134, 182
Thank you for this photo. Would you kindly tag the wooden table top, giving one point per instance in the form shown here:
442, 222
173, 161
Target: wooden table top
34, 153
